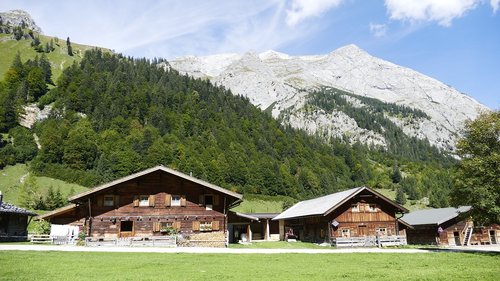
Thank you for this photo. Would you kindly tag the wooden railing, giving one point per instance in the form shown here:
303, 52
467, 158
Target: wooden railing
165, 241
370, 241
41, 238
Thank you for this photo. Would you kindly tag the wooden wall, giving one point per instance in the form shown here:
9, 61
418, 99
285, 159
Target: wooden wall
13, 227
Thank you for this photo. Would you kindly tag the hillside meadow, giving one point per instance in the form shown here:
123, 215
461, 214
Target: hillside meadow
24, 265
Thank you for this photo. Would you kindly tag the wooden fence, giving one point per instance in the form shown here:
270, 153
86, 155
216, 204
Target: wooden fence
370, 241
164, 241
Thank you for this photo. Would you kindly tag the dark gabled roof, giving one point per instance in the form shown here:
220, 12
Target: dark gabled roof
151, 170
434, 216
13, 209
324, 205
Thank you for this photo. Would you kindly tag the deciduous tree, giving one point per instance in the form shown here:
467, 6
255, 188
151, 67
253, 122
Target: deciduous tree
477, 179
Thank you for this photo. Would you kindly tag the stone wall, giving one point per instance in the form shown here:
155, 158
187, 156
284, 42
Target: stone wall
205, 239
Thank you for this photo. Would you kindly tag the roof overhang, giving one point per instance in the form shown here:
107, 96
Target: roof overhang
55, 212
246, 216
152, 170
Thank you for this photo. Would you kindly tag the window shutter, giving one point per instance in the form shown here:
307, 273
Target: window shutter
136, 201
196, 226
202, 199
216, 200
156, 226
215, 225
117, 200
183, 201
177, 225
100, 199
151, 200
168, 200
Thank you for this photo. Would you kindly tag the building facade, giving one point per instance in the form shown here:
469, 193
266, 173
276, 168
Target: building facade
155, 202
355, 216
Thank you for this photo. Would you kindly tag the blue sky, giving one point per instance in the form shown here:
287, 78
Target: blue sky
454, 41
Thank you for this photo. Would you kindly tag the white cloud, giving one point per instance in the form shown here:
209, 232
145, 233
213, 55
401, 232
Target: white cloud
494, 5
443, 11
378, 30
303, 9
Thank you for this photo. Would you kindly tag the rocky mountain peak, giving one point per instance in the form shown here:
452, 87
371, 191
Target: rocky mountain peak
17, 18
428, 109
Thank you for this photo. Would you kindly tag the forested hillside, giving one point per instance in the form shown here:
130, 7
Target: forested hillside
114, 115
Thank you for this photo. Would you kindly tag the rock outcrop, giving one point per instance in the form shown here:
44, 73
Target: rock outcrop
17, 18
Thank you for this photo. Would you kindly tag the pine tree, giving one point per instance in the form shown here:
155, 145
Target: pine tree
70, 49
400, 196
396, 174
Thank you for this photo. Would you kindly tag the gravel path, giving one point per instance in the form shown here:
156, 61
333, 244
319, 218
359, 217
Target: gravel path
11, 247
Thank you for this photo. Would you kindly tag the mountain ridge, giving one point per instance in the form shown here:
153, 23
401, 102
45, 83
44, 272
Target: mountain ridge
285, 82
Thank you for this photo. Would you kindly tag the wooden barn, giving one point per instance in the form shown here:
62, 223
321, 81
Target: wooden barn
253, 227
13, 222
448, 227
152, 203
354, 217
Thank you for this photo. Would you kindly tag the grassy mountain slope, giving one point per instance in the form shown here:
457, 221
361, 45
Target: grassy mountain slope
11, 177
59, 58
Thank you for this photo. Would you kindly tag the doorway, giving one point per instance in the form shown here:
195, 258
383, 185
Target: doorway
126, 228
456, 235
493, 237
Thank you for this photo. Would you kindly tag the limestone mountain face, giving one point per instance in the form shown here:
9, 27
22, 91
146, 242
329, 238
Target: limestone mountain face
17, 17
284, 84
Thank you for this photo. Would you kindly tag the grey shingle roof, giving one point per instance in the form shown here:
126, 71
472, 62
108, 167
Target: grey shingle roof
316, 206
13, 209
326, 204
434, 216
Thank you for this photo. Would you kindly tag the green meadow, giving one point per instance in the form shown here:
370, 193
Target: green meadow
49, 265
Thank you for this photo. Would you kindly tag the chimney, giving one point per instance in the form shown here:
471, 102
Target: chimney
1, 198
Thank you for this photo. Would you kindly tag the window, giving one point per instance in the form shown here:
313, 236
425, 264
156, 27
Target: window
144, 200
126, 226
209, 202
372, 208
345, 232
176, 200
206, 226
355, 208
109, 201
382, 231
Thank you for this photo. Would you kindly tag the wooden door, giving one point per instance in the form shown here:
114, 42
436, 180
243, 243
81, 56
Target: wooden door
126, 228
362, 230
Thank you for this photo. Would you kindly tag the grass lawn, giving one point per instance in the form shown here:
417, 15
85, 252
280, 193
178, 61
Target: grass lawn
25, 265
278, 245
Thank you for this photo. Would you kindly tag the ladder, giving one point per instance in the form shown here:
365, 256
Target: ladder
468, 235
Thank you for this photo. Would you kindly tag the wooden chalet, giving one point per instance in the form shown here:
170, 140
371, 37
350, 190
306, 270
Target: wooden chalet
13, 222
152, 203
448, 227
354, 217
